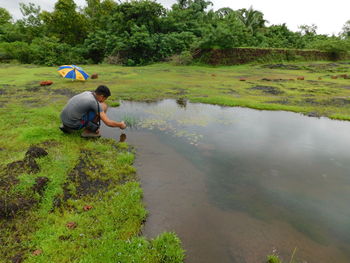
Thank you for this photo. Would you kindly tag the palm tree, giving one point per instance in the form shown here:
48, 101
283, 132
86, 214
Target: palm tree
252, 19
224, 12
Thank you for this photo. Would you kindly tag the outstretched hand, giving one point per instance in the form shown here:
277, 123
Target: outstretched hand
122, 125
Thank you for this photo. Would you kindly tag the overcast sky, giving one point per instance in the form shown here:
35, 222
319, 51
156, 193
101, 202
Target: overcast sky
329, 16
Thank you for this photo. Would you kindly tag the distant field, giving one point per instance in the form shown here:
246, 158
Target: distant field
324, 91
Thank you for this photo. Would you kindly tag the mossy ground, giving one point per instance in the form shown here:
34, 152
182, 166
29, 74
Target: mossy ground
43, 215
80, 201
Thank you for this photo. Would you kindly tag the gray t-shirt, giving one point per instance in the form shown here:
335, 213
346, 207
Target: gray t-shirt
77, 107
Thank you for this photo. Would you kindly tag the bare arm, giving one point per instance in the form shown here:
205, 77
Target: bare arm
110, 122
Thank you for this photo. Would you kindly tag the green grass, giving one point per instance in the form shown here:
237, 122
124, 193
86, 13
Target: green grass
110, 231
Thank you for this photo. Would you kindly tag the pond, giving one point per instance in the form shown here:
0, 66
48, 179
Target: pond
237, 184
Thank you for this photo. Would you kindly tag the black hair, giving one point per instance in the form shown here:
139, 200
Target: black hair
103, 90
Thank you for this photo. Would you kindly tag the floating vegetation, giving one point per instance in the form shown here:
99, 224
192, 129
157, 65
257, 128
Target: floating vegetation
173, 121
170, 127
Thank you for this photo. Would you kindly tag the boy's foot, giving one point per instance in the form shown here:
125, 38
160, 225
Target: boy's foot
65, 129
89, 134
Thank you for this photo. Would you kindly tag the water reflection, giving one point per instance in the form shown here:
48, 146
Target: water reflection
236, 183
181, 102
122, 137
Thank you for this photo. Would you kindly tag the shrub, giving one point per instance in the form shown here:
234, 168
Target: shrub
185, 58
15, 50
338, 49
49, 52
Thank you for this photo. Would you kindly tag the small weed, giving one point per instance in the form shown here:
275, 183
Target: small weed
130, 121
274, 257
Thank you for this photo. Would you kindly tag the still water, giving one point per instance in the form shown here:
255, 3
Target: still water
237, 184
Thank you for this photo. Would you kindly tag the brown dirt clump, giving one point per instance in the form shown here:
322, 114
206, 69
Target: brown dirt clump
18, 258
40, 184
340, 102
282, 66
81, 178
16, 204
11, 202
268, 90
35, 152
283, 102
65, 92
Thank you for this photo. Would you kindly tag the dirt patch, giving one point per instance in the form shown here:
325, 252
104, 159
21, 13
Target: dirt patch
268, 90
40, 185
82, 179
12, 205
11, 202
18, 258
282, 66
121, 72
65, 92
27, 165
32, 102
339, 102
32, 89
7, 86
283, 102
311, 101
35, 152
277, 80
329, 67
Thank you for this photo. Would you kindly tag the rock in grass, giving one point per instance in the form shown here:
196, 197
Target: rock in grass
46, 83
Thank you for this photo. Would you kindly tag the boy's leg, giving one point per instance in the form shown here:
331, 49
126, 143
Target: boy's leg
91, 116
66, 129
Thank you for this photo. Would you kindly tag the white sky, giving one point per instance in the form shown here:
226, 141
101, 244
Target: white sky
329, 16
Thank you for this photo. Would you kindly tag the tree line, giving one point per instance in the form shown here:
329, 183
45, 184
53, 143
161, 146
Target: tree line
142, 32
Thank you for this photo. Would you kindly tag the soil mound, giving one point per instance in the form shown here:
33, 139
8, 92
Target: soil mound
268, 90
282, 66
12, 202
81, 177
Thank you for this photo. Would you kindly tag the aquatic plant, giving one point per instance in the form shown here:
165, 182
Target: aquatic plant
130, 121
274, 258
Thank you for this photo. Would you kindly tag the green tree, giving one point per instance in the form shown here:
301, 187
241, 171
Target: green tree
30, 25
346, 30
252, 19
66, 23
310, 30
279, 36
224, 31
98, 13
5, 16
224, 12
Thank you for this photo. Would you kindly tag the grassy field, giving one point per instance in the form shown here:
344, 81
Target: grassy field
67, 199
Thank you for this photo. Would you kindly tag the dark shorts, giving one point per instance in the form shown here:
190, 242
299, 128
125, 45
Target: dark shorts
90, 116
